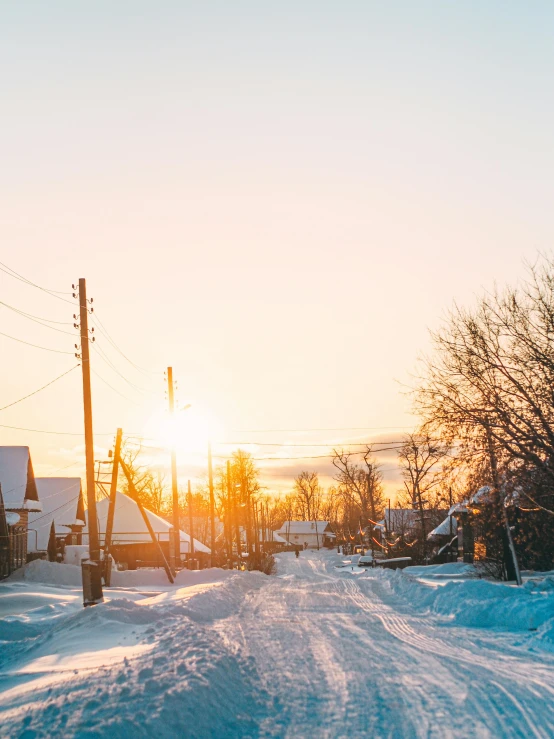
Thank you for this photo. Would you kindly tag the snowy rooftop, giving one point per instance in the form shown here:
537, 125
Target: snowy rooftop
483, 495
443, 529
129, 526
303, 527
62, 503
19, 490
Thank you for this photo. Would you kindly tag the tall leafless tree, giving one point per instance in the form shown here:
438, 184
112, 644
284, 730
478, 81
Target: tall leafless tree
307, 495
360, 484
421, 461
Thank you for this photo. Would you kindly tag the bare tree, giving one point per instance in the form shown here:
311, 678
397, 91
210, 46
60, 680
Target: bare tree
360, 485
307, 495
149, 482
491, 376
421, 459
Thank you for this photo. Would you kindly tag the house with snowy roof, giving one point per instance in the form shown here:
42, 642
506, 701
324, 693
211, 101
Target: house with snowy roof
308, 534
20, 498
63, 505
131, 542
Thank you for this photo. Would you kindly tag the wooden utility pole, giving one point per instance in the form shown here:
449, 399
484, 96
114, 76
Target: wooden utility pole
256, 528
176, 555
111, 507
94, 594
143, 513
212, 505
229, 517
373, 516
262, 522
509, 551
248, 523
233, 513
238, 506
191, 532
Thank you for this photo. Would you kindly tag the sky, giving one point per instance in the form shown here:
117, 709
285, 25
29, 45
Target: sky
277, 199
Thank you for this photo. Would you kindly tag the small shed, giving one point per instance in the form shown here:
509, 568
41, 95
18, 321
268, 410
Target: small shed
63, 504
20, 498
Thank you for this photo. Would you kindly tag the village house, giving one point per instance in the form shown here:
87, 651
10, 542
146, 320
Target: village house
132, 545
308, 534
19, 499
63, 505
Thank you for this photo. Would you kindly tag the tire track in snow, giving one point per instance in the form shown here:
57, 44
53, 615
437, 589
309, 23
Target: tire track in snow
518, 722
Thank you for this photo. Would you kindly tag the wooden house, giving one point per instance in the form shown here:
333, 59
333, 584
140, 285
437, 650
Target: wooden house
131, 542
20, 498
308, 534
63, 505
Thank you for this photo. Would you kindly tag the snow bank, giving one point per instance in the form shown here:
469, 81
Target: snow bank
449, 569
53, 573
478, 603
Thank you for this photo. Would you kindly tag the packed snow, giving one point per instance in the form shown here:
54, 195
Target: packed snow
323, 649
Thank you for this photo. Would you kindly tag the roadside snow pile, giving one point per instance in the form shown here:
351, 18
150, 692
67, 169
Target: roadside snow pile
478, 603
143, 664
69, 575
40, 570
449, 570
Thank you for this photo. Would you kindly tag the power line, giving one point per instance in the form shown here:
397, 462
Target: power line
111, 388
38, 319
54, 293
102, 354
36, 346
59, 377
24, 484
44, 515
286, 444
104, 331
344, 428
282, 459
57, 433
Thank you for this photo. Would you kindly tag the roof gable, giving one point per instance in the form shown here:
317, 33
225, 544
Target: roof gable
303, 528
129, 526
17, 479
60, 498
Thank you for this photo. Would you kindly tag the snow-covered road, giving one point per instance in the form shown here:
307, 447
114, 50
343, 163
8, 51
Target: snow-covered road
315, 652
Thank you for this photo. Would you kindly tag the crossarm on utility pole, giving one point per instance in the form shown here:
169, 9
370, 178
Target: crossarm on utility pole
146, 520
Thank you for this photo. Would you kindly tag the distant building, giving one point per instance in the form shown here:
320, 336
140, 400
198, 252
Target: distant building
308, 534
20, 498
62, 503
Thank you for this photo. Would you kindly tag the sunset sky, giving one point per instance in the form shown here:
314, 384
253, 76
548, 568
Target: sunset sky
277, 199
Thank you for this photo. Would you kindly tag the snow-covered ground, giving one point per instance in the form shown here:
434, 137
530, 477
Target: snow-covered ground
318, 651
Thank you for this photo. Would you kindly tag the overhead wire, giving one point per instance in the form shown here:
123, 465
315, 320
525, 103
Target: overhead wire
111, 387
59, 377
23, 485
103, 330
56, 433
54, 293
37, 319
36, 346
102, 354
343, 428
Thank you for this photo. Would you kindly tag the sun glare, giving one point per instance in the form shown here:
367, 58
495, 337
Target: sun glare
188, 431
